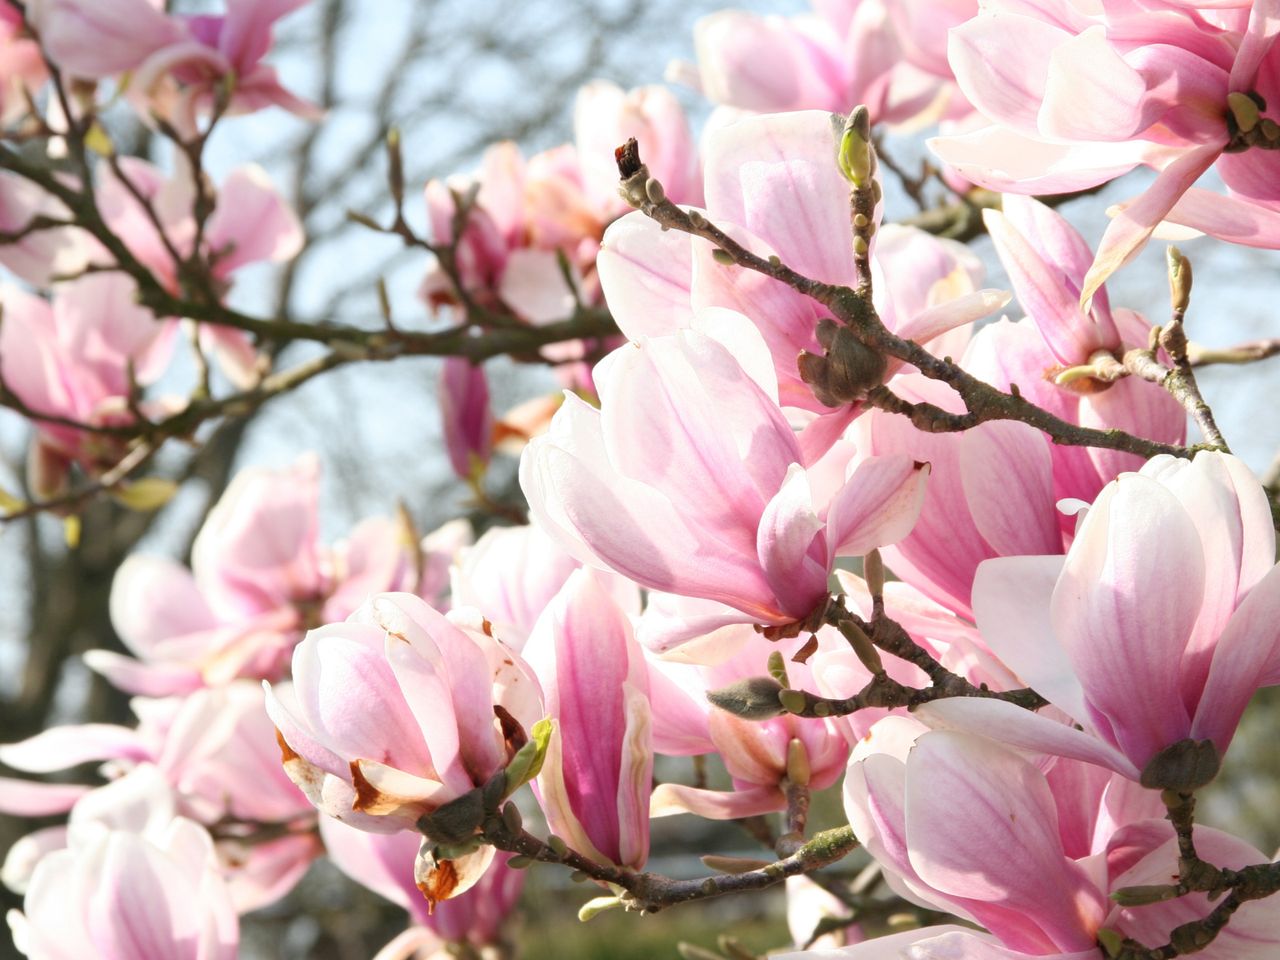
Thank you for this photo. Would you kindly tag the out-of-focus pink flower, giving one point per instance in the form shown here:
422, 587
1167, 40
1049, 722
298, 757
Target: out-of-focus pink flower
1077, 98
628, 486
259, 578
1157, 626
944, 813
22, 69
851, 52
385, 864
605, 116
215, 758
467, 417
43, 254
810, 908
121, 895
71, 357
178, 66
533, 226
250, 224
594, 786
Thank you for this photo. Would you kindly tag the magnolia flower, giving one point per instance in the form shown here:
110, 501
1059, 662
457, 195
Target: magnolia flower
1158, 625
760, 755
466, 416
532, 227
688, 480
970, 513
398, 711
772, 182
962, 824
511, 574
1078, 97
605, 115
78, 357
120, 895
842, 55
259, 578
594, 785
177, 65
212, 756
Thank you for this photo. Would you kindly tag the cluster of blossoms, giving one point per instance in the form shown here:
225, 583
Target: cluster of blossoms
1021, 716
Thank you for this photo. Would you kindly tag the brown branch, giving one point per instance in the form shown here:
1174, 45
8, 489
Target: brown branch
651, 892
1250, 352
983, 402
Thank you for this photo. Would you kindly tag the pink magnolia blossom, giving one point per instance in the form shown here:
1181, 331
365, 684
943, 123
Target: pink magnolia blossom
848, 52
213, 755
594, 785
969, 515
70, 358
259, 578
605, 116
251, 223
963, 824
176, 65
396, 712
628, 487
511, 575
1140, 651
810, 907
41, 255
22, 69
530, 219
1077, 98
467, 417
121, 895
772, 183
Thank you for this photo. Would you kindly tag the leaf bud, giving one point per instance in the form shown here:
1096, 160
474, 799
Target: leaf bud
1140, 896
593, 908
1179, 279
778, 668
854, 155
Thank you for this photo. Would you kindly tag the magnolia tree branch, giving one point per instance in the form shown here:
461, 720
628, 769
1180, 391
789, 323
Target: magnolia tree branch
853, 308
651, 892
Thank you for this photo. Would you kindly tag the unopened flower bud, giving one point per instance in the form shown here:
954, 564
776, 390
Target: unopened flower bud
847, 371
862, 646
755, 698
873, 573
